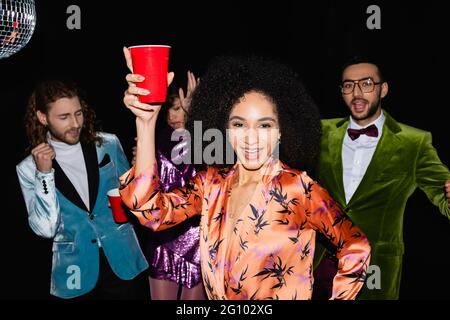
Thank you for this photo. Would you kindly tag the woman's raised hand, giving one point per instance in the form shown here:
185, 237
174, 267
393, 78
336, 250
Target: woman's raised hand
143, 111
192, 83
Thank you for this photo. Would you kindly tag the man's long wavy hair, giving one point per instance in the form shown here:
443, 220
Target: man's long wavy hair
46, 93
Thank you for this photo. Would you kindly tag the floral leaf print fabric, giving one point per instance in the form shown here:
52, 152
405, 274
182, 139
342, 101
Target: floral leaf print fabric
268, 253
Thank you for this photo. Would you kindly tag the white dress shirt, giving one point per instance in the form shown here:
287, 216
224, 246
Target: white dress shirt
71, 160
357, 154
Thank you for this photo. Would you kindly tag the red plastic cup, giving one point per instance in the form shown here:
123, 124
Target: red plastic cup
116, 203
152, 62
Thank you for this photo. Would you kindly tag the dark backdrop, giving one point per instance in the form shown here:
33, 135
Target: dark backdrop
314, 38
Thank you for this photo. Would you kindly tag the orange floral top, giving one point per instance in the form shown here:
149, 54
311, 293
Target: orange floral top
269, 252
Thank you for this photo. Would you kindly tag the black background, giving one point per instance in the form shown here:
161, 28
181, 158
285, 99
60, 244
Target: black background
313, 37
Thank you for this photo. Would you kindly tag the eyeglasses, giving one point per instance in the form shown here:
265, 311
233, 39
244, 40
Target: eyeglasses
366, 85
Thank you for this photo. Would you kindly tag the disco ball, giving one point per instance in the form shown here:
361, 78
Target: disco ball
17, 22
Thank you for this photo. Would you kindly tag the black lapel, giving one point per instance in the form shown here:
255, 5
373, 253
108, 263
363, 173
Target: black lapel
66, 187
90, 159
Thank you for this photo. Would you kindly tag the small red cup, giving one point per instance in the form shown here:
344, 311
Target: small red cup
116, 203
152, 62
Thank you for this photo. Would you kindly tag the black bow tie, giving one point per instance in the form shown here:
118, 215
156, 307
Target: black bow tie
371, 131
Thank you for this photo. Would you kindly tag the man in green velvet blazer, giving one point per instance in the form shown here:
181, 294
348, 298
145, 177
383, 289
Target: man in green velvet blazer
371, 164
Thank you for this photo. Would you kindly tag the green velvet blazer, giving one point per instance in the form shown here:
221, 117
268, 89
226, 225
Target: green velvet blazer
404, 160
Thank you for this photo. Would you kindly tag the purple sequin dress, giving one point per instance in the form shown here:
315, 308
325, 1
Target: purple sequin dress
174, 254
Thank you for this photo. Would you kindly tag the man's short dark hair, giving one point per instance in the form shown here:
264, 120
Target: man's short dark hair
363, 59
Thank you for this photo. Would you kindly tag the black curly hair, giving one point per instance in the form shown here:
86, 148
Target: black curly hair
229, 78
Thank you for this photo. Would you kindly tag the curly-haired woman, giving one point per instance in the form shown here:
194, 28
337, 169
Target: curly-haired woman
259, 214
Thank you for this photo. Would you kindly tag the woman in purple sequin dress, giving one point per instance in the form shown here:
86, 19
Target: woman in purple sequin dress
174, 254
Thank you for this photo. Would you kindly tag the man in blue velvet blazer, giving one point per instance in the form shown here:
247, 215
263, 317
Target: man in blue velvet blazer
64, 183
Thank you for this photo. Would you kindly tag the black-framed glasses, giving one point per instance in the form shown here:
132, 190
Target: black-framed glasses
366, 85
